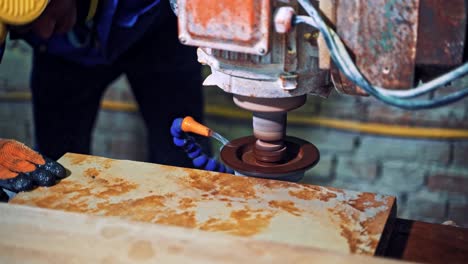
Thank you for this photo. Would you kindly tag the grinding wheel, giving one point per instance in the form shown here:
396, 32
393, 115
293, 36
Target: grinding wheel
300, 156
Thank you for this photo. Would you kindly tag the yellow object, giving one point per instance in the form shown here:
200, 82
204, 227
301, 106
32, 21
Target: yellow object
345, 125
190, 125
92, 10
3, 32
19, 12
355, 126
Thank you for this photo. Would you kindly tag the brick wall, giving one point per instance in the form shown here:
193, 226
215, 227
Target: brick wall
429, 177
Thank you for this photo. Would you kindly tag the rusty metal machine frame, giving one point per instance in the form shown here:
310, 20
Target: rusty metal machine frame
234, 25
395, 43
257, 54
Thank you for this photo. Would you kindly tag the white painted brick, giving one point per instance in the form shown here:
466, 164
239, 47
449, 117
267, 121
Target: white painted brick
351, 168
328, 141
427, 206
321, 173
411, 150
401, 176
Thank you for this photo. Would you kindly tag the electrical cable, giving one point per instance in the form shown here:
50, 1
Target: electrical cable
344, 63
435, 84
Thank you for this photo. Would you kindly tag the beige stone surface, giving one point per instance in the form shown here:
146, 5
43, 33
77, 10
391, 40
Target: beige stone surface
297, 214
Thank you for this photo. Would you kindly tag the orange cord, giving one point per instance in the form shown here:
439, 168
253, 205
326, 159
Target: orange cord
190, 125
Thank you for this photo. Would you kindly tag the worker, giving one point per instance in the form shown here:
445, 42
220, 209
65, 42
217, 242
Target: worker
80, 47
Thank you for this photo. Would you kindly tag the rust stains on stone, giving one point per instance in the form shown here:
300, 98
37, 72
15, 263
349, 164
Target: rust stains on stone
272, 184
244, 222
107, 188
221, 184
79, 207
303, 194
234, 186
201, 182
186, 203
107, 164
171, 217
149, 201
324, 194
361, 235
78, 159
92, 172
54, 195
287, 206
327, 196
374, 225
142, 209
350, 237
364, 201
313, 193
348, 231
117, 189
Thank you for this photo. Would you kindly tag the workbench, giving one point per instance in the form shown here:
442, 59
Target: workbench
427, 243
260, 210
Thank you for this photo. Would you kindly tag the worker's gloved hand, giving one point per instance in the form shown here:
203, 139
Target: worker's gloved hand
59, 17
22, 169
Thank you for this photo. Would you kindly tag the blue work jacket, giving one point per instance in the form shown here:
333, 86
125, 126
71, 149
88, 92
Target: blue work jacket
117, 25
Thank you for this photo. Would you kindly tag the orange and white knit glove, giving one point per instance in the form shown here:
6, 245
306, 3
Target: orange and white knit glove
22, 169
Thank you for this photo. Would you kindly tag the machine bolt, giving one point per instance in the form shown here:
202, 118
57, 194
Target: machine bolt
283, 19
182, 39
386, 70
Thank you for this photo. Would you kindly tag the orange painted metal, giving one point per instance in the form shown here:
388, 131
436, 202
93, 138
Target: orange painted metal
235, 25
